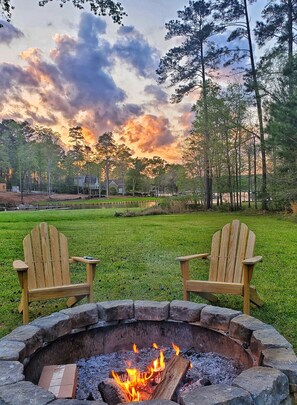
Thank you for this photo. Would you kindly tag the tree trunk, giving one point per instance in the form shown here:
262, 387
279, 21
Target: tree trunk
259, 110
207, 169
107, 179
255, 174
290, 46
239, 170
49, 180
21, 188
229, 173
249, 176
236, 203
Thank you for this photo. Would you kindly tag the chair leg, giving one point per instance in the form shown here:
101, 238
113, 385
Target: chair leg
254, 297
91, 271
25, 306
25, 299
186, 295
247, 270
184, 266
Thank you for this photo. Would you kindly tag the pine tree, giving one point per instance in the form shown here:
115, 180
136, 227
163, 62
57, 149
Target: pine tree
188, 66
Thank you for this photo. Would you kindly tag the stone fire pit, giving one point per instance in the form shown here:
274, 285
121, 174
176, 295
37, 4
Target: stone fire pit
270, 365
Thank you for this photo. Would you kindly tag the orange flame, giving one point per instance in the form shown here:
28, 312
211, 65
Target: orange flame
155, 346
176, 348
135, 348
136, 381
159, 364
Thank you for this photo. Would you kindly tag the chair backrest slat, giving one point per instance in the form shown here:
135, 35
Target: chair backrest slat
232, 251
214, 258
55, 254
242, 242
229, 248
38, 258
46, 253
250, 247
223, 253
29, 259
64, 259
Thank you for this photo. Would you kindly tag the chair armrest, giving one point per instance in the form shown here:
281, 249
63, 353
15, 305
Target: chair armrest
197, 256
19, 265
84, 260
253, 260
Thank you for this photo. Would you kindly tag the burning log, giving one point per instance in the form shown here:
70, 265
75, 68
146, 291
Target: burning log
171, 377
159, 381
167, 382
111, 392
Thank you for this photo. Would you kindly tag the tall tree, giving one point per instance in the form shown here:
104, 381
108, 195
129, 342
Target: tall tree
17, 151
278, 26
137, 181
192, 153
50, 153
98, 7
176, 178
188, 65
227, 119
106, 149
155, 169
278, 30
236, 14
77, 151
5, 147
282, 130
123, 156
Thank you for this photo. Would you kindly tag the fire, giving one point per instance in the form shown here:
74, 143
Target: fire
136, 382
176, 349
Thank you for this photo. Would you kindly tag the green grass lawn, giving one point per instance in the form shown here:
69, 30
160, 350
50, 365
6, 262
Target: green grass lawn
138, 259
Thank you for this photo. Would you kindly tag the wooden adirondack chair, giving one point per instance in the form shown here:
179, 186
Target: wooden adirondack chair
231, 266
45, 272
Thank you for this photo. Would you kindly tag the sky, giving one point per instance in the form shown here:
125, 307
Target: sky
61, 67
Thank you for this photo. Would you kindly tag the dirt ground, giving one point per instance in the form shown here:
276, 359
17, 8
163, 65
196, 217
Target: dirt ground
7, 197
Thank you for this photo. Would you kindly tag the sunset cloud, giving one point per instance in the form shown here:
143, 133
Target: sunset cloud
185, 119
147, 133
133, 49
8, 33
159, 95
73, 84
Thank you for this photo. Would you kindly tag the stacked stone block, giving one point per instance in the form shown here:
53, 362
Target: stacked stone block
273, 379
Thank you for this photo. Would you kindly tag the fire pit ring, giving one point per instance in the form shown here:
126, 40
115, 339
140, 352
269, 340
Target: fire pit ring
270, 375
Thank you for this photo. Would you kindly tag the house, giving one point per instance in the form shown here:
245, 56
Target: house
92, 184
117, 185
89, 182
